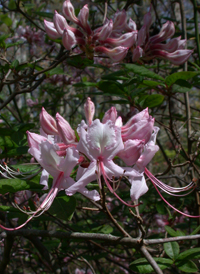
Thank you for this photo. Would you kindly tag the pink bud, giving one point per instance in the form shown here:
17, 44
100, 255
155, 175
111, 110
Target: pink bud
119, 20
131, 26
68, 39
89, 110
177, 58
181, 44
147, 20
48, 123
34, 140
166, 32
68, 11
111, 114
137, 54
60, 22
126, 40
116, 54
51, 30
142, 115
83, 19
65, 131
142, 33
132, 151
171, 46
141, 130
106, 30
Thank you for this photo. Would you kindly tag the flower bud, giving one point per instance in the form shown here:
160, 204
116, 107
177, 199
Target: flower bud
51, 30
106, 30
171, 46
60, 22
142, 33
177, 58
68, 39
166, 32
116, 54
126, 40
68, 11
140, 130
65, 131
83, 19
147, 20
131, 26
111, 115
132, 151
119, 20
34, 140
89, 110
137, 54
48, 123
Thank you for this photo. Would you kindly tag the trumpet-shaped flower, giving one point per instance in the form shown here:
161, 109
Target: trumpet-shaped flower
100, 144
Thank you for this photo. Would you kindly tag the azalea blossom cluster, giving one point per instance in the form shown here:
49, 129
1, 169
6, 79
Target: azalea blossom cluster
93, 152
116, 37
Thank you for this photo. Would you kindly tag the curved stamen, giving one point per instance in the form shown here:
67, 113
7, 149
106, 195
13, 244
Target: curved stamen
185, 214
43, 207
167, 188
110, 188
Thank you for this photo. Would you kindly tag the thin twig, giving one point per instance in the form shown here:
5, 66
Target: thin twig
150, 259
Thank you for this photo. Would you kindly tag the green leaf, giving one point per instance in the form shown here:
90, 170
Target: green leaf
44, 14
174, 233
143, 266
54, 71
151, 83
79, 62
196, 230
14, 185
160, 207
170, 231
181, 86
112, 88
12, 4
63, 207
105, 229
184, 75
193, 253
172, 249
85, 84
15, 64
152, 100
117, 75
6, 20
141, 70
188, 266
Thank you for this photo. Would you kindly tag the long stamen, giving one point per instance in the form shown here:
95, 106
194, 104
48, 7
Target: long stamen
44, 206
111, 189
169, 189
185, 214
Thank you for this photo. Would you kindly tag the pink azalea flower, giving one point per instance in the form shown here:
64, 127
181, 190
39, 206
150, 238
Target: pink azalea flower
100, 144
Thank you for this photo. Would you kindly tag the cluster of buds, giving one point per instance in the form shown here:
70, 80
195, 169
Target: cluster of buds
115, 38
148, 48
95, 152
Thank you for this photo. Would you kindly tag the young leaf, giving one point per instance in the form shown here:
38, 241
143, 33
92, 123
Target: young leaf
141, 70
172, 249
184, 75
143, 266
193, 253
63, 207
187, 266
